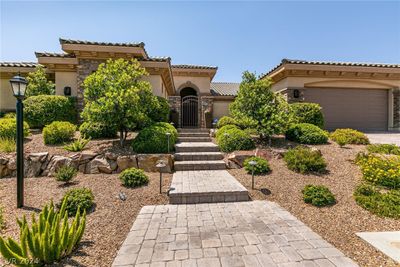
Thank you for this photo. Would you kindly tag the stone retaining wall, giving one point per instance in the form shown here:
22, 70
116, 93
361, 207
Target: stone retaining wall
88, 162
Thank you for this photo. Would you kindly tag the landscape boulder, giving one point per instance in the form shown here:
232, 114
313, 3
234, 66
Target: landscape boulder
125, 162
236, 159
148, 162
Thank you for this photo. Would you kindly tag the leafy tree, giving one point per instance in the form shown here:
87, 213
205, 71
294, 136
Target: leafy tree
38, 83
257, 103
116, 96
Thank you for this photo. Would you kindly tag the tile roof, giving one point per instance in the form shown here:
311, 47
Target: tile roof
331, 63
157, 59
19, 64
48, 54
224, 89
69, 41
187, 66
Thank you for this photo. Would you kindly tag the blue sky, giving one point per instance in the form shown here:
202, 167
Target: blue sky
235, 36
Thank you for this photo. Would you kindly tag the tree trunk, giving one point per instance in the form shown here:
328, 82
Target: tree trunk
121, 137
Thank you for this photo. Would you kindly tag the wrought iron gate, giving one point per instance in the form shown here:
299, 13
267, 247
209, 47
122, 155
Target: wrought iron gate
190, 111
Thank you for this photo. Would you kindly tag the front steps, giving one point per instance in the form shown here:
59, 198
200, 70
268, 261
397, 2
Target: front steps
190, 156
197, 165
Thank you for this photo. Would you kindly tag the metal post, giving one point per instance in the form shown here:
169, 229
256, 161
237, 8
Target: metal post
252, 178
160, 182
20, 154
168, 142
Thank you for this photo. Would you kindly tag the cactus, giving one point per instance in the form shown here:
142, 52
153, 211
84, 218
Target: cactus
49, 239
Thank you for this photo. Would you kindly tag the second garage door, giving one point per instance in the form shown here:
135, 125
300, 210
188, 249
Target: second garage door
361, 109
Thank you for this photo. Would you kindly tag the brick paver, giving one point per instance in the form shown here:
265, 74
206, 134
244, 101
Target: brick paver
256, 233
189, 187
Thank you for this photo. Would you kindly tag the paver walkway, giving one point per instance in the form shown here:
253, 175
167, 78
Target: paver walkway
256, 233
190, 187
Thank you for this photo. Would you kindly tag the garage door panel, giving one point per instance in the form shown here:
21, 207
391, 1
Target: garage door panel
363, 109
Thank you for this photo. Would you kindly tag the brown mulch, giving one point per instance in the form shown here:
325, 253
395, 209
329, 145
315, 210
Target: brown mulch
338, 223
107, 226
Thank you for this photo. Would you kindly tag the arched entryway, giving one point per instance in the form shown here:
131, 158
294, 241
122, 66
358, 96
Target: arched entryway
189, 108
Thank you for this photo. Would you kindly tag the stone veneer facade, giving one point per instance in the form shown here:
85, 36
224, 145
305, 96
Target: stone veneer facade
396, 109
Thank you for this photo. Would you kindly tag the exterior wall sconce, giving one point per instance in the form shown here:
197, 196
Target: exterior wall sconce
296, 93
67, 90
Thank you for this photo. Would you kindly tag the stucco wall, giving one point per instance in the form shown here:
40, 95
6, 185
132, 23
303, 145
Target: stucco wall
199, 83
156, 85
221, 108
64, 79
7, 100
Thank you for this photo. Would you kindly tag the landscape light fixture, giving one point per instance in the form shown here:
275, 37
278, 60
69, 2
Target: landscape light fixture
160, 164
252, 163
18, 86
168, 134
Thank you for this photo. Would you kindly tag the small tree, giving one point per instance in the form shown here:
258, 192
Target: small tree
38, 83
256, 102
116, 96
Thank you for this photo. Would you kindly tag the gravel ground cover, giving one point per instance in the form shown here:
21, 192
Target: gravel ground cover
106, 227
338, 223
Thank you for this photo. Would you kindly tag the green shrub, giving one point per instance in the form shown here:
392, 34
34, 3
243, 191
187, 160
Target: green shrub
65, 173
305, 133
262, 166
161, 112
50, 238
10, 115
2, 221
234, 139
42, 110
78, 198
133, 177
384, 149
77, 145
7, 145
221, 131
380, 170
153, 139
318, 195
304, 160
251, 131
349, 136
307, 113
58, 132
8, 128
95, 130
386, 204
226, 120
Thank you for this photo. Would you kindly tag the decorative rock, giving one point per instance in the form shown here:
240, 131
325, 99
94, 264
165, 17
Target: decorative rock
111, 156
233, 165
86, 156
148, 162
12, 164
125, 162
238, 157
55, 163
38, 157
100, 165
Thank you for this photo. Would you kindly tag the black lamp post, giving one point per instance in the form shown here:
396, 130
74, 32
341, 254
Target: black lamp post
252, 163
168, 134
18, 85
160, 164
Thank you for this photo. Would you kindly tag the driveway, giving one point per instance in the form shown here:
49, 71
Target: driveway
384, 138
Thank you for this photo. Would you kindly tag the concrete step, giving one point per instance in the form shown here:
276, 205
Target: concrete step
198, 156
190, 187
194, 139
197, 165
193, 130
189, 134
196, 147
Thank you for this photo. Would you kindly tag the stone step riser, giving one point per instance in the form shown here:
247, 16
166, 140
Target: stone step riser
196, 156
208, 198
194, 135
195, 130
194, 139
196, 149
199, 167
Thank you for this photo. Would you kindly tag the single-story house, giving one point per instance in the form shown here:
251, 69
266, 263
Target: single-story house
357, 95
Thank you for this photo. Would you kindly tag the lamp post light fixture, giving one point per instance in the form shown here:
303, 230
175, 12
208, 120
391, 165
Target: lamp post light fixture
18, 85
160, 164
168, 134
252, 163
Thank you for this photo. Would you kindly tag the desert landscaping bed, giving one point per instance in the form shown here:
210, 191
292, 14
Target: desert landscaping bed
107, 226
338, 223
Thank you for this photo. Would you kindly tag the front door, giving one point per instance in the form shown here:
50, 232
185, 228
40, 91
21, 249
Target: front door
190, 111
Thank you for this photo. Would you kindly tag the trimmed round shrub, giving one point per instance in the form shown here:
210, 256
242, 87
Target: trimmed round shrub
308, 113
8, 128
10, 115
262, 166
222, 130
349, 136
384, 204
42, 110
81, 198
133, 177
153, 139
95, 130
58, 132
306, 133
304, 160
65, 173
318, 195
388, 149
226, 120
234, 139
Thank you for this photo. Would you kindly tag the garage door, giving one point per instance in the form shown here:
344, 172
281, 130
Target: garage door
361, 109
